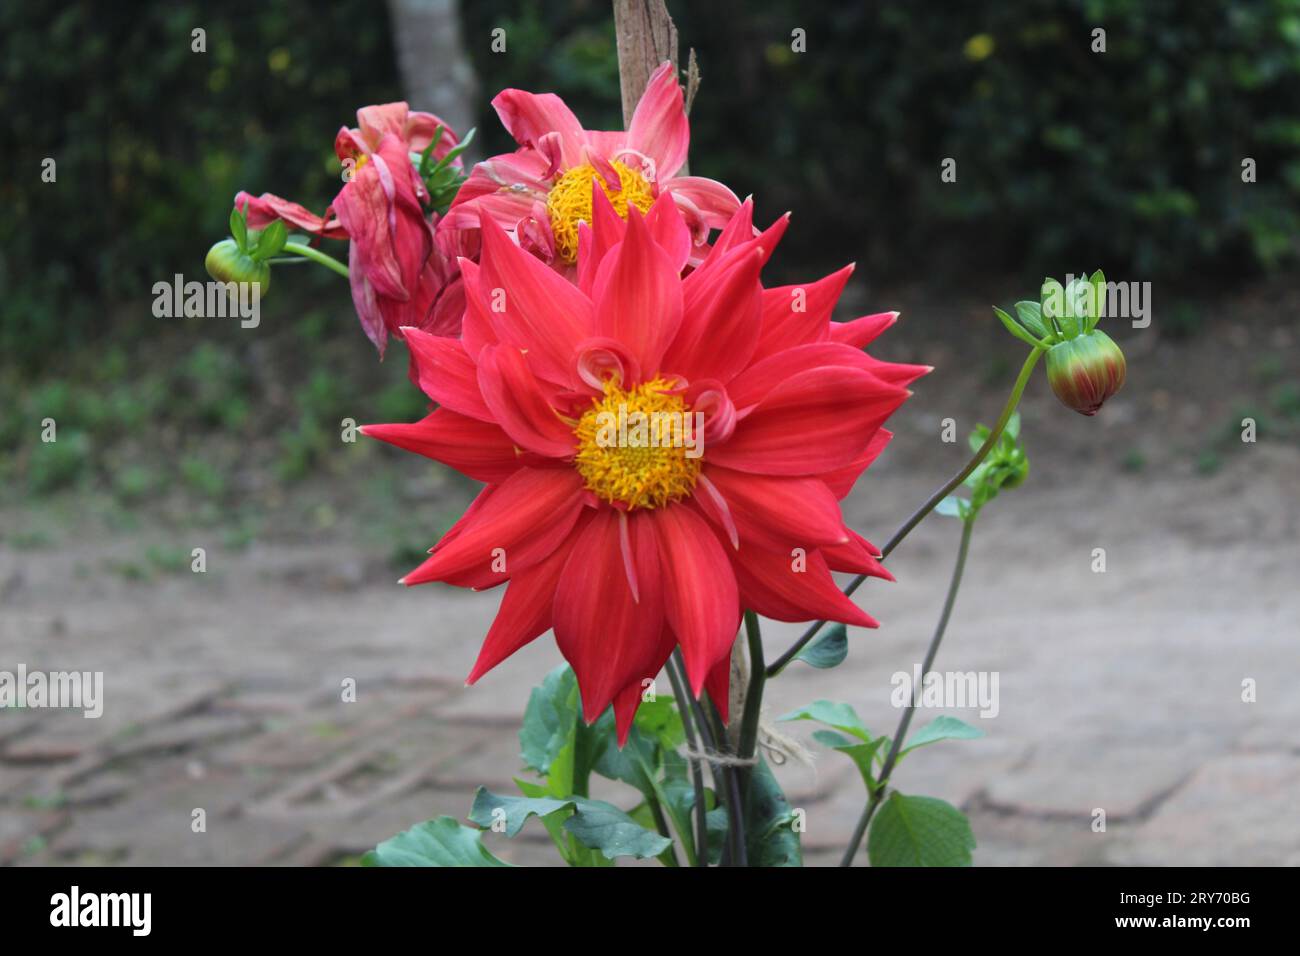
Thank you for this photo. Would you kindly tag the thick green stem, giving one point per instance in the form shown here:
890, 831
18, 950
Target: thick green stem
738, 847
754, 695
697, 776
919, 514
895, 747
315, 255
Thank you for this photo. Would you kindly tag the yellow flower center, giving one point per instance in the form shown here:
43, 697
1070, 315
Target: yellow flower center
569, 202
639, 447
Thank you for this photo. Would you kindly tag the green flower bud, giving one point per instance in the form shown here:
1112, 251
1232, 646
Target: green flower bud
1085, 370
226, 263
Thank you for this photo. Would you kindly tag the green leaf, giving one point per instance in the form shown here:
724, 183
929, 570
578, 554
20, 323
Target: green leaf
488, 807
862, 754
832, 714
715, 824
942, 728
1031, 316
604, 827
1012, 430
440, 842
427, 156
919, 831
1098, 281
954, 507
554, 823
270, 242
239, 228
770, 839
1015, 328
549, 719
979, 434
828, 650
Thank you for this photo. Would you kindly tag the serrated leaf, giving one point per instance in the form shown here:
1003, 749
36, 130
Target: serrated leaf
942, 728
440, 842
549, 719
604, 827
832, 714
488, 807
919, 831
862, 754
828, 650
554, 823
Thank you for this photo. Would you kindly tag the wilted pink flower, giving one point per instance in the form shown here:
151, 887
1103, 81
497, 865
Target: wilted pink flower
399, 274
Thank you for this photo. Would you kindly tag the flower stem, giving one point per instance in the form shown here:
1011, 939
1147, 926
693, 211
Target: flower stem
315, 255
919, 514
739, 850
754, 695
697, 776
895, 747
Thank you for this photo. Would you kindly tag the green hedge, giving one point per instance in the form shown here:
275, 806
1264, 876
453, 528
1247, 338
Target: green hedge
1128, 159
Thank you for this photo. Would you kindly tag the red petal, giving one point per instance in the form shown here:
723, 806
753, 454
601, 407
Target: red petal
780, 513
476, 331
753, 385
638, 296
475, 448
609, 638
770, 585
861, 332
718, 685
628, 700
524, 520
856, 555
816, 421
519, 405
525, 611
720, 326
841, 480
446, 373
701, 600
532, 306
799, 314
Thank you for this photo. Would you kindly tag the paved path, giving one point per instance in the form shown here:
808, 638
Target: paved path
1120, 691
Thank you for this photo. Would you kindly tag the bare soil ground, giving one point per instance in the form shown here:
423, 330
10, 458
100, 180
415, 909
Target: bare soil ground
1120, 691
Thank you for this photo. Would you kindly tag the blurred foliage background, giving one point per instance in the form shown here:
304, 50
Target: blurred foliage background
1066, 158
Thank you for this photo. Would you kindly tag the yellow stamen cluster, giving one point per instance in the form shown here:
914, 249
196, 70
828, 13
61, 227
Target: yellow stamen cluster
569, 202
632, 446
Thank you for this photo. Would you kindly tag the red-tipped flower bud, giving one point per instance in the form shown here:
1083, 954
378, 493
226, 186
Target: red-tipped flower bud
1085, 371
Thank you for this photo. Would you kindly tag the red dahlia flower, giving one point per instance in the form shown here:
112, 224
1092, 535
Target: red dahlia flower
542, 191
628, 547
399, 275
